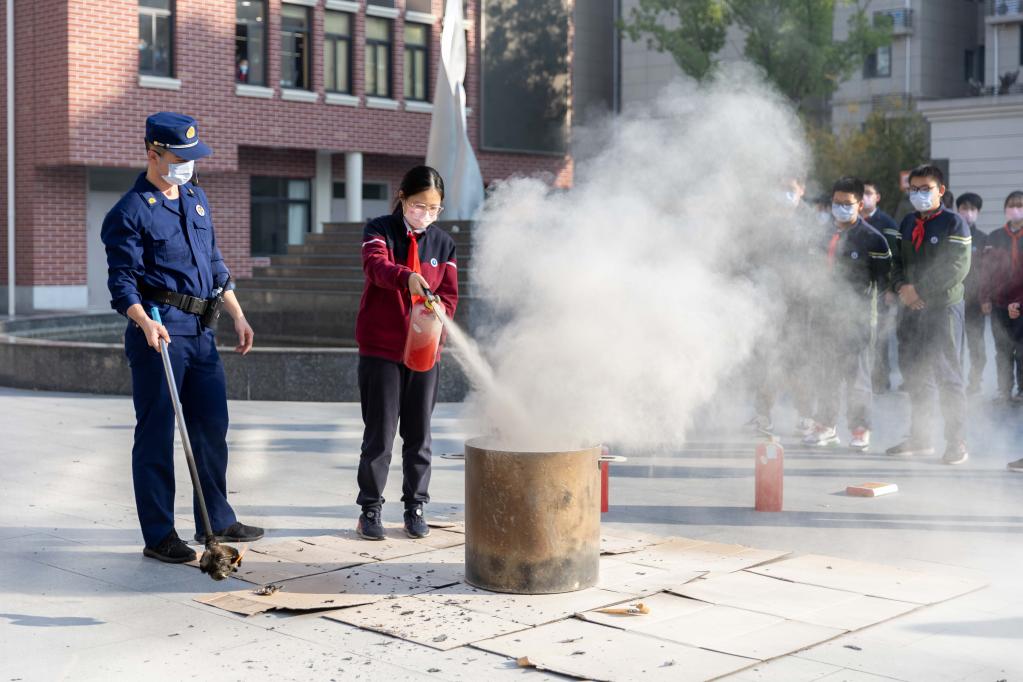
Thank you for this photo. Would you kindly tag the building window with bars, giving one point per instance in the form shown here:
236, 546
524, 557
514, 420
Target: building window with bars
156, 38
337, 52
295, 47
378, 57
417, 62
250, 42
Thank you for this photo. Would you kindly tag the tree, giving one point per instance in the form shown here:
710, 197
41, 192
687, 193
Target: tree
791, 40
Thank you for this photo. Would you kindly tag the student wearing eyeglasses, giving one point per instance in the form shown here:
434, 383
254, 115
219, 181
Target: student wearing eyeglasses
404, 255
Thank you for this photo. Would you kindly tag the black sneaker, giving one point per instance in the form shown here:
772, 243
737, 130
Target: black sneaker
370, 526
236, 532
171, 549
909, 449
955, 454
1016, 466
415, 522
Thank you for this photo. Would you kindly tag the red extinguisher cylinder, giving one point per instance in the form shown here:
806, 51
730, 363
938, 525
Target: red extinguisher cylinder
770, 460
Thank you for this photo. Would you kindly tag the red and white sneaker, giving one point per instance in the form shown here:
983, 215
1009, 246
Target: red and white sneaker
860, 439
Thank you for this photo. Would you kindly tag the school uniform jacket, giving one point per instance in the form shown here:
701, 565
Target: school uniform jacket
861, 267
939, 267
382, 323
1000, 283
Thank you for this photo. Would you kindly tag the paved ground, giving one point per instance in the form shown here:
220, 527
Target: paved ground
79, 602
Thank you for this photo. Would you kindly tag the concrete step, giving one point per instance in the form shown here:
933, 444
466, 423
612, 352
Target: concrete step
334, 285
340, 272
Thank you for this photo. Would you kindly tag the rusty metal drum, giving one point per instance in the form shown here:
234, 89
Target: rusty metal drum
532, 519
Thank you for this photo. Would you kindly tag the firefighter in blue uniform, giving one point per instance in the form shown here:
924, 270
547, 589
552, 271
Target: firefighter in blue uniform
162, 251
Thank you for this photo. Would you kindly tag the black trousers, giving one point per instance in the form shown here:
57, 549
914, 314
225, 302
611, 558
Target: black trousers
930, 344
975, 321
394, 397
886, 323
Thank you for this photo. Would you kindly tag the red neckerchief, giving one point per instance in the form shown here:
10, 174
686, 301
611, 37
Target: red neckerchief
833, 247
918, 227
413, 260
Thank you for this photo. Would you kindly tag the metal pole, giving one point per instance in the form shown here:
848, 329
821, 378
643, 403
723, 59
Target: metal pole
10, 160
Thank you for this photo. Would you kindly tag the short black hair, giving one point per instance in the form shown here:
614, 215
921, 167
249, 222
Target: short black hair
948, 199
848, 184
1013, 196
970, 198
867, 182
927, 171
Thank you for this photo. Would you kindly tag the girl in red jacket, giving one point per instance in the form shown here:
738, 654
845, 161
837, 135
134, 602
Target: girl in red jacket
403, 255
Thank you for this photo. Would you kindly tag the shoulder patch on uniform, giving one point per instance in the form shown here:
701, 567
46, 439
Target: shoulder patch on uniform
150, 199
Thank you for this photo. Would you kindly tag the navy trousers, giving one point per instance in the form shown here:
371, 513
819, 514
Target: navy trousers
199, 375
393, 396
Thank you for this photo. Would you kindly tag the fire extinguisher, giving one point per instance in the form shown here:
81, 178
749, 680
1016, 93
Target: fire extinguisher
770, 460
422, 345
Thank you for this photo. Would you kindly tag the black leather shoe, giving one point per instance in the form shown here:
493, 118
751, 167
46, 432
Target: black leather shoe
415, 522
236, 532
370, 525
171, 549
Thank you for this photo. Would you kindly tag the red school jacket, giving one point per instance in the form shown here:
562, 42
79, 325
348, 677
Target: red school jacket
382, 323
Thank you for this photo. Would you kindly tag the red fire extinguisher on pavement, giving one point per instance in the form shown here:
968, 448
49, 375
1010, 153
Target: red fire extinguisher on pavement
770, 460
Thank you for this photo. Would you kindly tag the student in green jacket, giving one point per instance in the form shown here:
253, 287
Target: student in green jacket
927, 275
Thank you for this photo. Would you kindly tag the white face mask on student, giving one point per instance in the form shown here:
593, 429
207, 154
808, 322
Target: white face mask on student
924, 201
844, 213
179, 173
869, 203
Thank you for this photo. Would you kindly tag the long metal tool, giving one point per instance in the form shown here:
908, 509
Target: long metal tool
219, 561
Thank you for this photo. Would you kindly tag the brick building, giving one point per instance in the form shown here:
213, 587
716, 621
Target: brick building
294, 97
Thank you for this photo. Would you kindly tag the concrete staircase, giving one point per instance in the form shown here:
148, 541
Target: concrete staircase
310, 295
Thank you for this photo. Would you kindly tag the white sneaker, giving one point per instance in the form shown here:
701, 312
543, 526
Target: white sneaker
822, 436
860, 439
804, 427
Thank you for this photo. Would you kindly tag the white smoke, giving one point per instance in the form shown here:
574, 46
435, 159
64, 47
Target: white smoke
619, 306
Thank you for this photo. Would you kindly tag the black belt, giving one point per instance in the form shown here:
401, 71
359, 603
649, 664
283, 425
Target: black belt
190, 304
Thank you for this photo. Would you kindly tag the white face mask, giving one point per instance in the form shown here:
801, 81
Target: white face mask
869, 203
923, 201
843, 213
791, 198
969, 215
1014, 214
179, 173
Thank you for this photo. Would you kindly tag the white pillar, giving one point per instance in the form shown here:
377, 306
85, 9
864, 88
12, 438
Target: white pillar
353, 187
323, 189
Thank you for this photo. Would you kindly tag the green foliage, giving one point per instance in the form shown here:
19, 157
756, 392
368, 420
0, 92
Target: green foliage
791, 40
889, 142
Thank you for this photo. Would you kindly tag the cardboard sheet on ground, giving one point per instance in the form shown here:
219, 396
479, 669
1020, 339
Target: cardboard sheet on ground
313, 551
247, 603
719, 628
527, 609
686, 555
619, 575
396, 544
436, 568
796, 601
875, 580
595, 652
623, 542
430, 623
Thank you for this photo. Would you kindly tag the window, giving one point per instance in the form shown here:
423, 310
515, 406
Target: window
337, 52
250, 42
878, 64
381, 3
371, 191
156, 38
424, 6
280, 213
295, 47
417, 38
378, 57
969, 65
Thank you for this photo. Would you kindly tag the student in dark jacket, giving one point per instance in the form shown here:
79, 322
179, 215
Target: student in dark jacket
886, 305
859, 263
403, 255
1001, 280
968, 206
934, 258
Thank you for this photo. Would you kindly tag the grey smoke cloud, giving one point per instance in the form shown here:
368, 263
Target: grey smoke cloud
618, 308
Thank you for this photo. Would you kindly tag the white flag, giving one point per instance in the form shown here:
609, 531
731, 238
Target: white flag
449, 151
